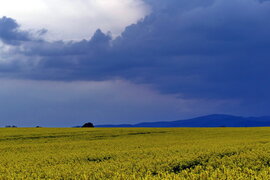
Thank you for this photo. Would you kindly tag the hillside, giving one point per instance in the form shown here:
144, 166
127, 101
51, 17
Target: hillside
215, 120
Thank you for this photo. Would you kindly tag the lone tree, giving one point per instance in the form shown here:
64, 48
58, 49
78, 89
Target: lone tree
88, 125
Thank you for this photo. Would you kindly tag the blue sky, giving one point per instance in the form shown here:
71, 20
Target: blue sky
128, 61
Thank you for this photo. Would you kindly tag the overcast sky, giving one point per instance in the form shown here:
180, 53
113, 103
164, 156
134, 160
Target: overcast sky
126, 61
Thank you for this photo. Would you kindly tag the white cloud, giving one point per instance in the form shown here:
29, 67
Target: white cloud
74, 19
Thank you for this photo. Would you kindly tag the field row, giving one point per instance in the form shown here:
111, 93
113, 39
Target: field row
150, 153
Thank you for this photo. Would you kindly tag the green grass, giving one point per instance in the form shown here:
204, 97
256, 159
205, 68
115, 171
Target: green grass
150, 153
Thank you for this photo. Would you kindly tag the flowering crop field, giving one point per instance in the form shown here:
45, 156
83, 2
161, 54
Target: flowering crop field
135, 153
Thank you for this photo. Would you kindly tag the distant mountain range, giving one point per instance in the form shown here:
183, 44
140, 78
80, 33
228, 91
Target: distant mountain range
215, 120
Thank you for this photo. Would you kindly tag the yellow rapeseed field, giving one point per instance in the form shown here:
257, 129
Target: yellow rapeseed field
135, 153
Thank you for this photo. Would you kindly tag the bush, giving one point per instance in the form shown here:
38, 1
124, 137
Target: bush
88, 125
8, 126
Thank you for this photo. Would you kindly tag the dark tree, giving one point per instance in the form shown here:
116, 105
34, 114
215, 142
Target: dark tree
11, 126
88, 125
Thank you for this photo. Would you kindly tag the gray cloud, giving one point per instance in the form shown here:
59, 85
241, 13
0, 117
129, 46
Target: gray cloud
10, 32
215, 49
65, 104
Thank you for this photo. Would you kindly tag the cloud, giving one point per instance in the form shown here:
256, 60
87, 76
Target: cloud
66, 104
10, 32
211, 50
69, 19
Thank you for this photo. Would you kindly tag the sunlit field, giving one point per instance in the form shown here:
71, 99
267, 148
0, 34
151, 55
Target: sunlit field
184, 153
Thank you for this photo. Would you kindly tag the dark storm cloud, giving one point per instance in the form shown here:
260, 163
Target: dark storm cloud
10, 32
214, 49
